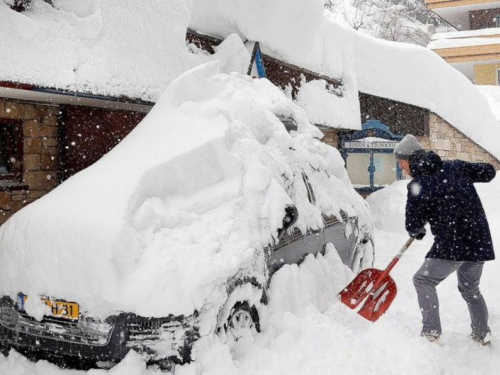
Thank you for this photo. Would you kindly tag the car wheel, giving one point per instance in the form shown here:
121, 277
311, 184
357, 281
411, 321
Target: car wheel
241, 326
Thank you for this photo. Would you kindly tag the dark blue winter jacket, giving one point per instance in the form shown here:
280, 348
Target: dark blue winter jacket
443, 194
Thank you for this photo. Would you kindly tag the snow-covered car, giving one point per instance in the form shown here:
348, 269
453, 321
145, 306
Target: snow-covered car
175, 234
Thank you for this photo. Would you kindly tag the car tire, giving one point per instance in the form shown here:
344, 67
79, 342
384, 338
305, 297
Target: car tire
243, 323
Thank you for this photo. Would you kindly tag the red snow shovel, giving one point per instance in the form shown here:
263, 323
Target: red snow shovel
376, 286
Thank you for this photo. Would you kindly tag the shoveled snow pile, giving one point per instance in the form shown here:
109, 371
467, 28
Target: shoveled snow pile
188, 199
389, 204
398, 71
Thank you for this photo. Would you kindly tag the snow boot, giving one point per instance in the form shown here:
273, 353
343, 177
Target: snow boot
485, 341
433, 338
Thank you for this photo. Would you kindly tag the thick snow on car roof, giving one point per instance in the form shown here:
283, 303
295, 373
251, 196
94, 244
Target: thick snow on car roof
190, 197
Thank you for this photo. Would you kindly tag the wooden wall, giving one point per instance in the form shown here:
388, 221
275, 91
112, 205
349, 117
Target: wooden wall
486, 74
483, 19
89, 133
401, 118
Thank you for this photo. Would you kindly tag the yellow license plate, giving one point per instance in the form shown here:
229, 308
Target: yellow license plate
60, 309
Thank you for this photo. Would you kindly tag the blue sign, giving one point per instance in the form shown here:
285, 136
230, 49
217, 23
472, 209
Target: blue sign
373, 138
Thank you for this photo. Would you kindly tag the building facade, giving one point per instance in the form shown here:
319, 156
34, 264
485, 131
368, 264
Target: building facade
46, 137
475, 48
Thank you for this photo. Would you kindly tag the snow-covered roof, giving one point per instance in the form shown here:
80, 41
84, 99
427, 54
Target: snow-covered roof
397, 71
467, 33
110, 48
492, 94
121, 47
462, 42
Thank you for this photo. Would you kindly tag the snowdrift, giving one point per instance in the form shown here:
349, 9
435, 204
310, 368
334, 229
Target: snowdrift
389, 205
188, 199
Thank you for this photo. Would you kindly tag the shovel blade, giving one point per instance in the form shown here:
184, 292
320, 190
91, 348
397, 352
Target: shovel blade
354, 293
379, 300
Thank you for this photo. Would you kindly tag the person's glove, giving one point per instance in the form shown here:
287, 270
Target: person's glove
418, 234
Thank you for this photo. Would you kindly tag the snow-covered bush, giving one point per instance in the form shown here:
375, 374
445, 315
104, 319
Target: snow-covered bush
397, 20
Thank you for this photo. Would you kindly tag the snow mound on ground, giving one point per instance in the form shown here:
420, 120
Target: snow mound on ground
389, 204
399, 71
388, 207
296, 293
182, 204
15, 364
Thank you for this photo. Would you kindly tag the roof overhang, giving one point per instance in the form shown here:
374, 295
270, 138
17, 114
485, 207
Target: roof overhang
36, 94
456, 12
470, 53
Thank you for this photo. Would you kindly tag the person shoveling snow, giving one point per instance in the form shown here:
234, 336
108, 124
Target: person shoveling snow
442, 193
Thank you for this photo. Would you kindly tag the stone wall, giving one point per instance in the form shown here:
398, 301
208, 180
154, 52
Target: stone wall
40, 155
330, 137
449, 143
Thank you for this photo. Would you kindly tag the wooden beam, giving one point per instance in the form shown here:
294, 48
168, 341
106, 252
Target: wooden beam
470, 53
437, 4
476, 58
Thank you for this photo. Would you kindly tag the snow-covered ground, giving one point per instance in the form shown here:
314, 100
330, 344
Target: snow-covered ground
302, 336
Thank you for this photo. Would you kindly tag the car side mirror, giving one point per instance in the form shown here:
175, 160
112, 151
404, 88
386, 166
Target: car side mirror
290, 218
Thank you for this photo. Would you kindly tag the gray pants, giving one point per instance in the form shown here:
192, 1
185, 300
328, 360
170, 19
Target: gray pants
432, 272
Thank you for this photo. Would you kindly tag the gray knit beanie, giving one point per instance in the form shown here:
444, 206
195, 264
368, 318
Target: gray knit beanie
406, 147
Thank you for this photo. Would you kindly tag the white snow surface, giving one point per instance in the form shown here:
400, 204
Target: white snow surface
398, 71
306, 331
466, 33
109, 48
463, 42
389, 205
492, 94
323, 107
188, 199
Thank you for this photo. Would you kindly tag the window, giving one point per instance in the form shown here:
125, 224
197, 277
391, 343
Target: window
498, 77
496, 21
11, 149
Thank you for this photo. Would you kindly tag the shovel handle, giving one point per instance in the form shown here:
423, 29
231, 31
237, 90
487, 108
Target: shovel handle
405, 247
393, 262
